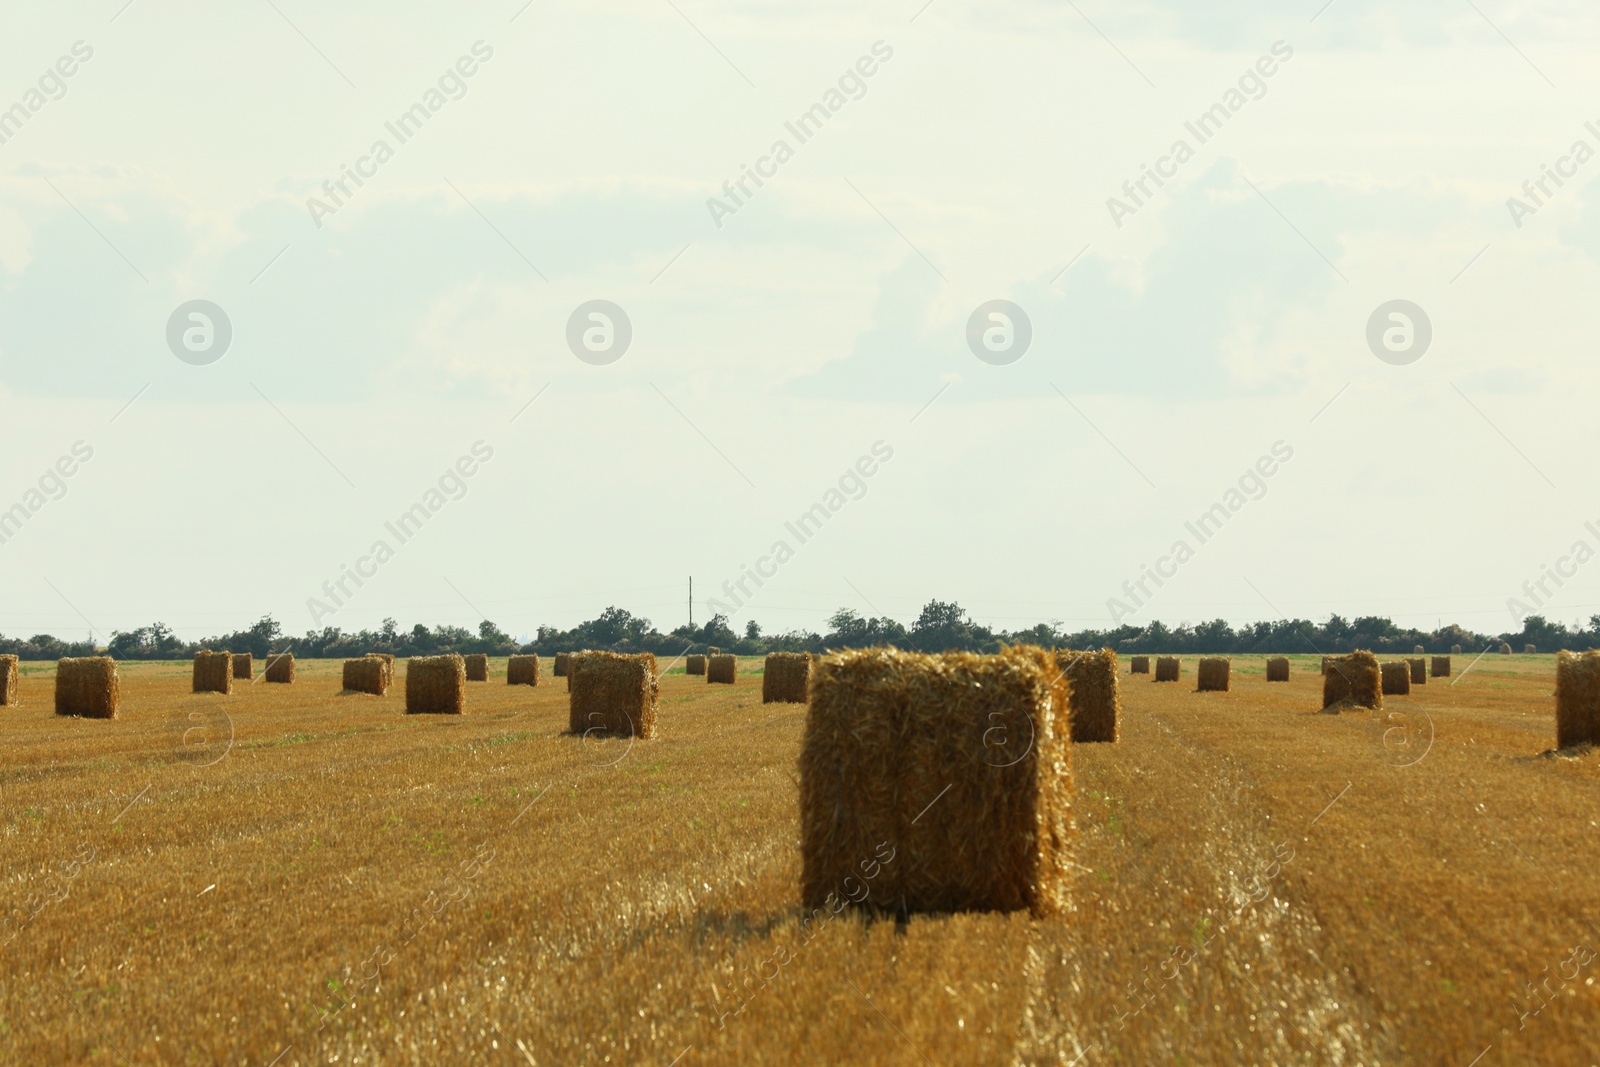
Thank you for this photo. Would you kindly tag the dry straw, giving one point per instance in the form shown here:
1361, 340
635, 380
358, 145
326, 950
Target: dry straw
1352, 681
1419, 671
522, 670
1505, 649
613, 694
387, 658
695, 664
1139, 665
1167, 668
244, 665
712, 650
369, 674
8, 681
436, 685
1577, 698
899, 748
477, 667
1455, 650
1093, 702
1278, 669
722, 668
1417, 650
280, 668
1396, 679
563, 660
88, 686
1530, 650
1213, 674
213, 671
784, 678
1441, 666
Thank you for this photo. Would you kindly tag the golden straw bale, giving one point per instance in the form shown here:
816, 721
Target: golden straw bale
1352, 681
562, 661
1278, 669
1530, 650
695, 664
369, 674
1212, 677
477, 667
1396, 678
1167, 668
1505, 649
244, 665
956, 762
1455, 650
722, 668
784, 678
280, 668
1418, 650
1094, 706
1419, 671
1138, 664
613, 694
522, 670
8, 681
213, 672
1441, 666
712, 650
88, 686
1577, 698
387, 660
436, 685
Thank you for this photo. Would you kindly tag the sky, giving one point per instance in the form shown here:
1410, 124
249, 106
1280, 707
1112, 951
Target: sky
948, 276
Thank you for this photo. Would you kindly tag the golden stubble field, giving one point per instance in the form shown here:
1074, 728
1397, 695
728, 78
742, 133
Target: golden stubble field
1257, 883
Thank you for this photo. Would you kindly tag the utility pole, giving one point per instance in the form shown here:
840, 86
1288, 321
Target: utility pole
691, 600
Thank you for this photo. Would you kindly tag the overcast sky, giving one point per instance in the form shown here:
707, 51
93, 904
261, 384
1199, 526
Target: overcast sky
562, 153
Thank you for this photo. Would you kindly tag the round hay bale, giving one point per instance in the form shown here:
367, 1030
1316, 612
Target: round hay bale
1213, 674
213, 671
88, 686
1278, 669
436, 685
784, 677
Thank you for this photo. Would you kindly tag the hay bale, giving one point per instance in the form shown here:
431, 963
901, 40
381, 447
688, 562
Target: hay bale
1441, 666
784, 678
1094, 706
1530, 650
436, 685
280, 668
722, 668
613, 694
1167, 668
1278, 669
563, 661
8, 681
1213, 674
713, 650
898, 752
1577, 698
1455, 650
695, 664
1138, 664
244, 665
213, 671
387, 659
1352, 681
522, 670
1419, 671
88, 686
477, 667
1417, 650
1397, 679
369, 674
1505, 649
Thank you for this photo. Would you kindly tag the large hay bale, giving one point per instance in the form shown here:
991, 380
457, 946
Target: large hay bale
1396, 679
695, 664
8, 681
613, 694
213, 671
1278, 669
436, 685
1094, 706
280, 668
1352, 681
1455, 650
1167, 669
722, 668
88, 686
369, 674
1441, 666
522, 670
477, 667
1138, 664
563, 662
784, 678
244, 665
1212, 677
1419, 671
1577, 698
899, 751
1530, 650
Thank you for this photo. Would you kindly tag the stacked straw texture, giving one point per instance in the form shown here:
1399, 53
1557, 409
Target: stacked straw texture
1212, 677
477, 667
436, 685
1139, 665
1094, 706
562, 661
8, 681
213, 672
613, 694
244, 665
522, 670
369, 674
1441, 666
88, 687
1278, 669
1419, 671
280, 668
1166, 668
387, 659
784, 678
695, 664
889, 734
1396, 679
1577, 698
1352, 681
722, 668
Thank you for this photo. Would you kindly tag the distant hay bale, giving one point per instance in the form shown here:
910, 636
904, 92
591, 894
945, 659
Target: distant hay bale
213, 671
894, 736
280, 668
563, 659
1577, 698
695, 664
784, 678
8, 681
1138, 664
1455, 650
1505, 649
1094, 706
369, 674
1419, 671
477, 667
1441, 666
88, 686
244, 665
1396, 679
522, 670
1352, 681
613, 694
712, 650
722, 668
436, 685
1212, 676
1167, 668
1278, 669
1530, 650
1417, 650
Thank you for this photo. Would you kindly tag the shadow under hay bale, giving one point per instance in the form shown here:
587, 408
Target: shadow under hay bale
88, 686
1577, 698
1094, 705
280, 668
563, 664
899, 752
8, 681
1139, 665
695, 664
522, 670
722, 669
1278, 669
1167, 668
213, 671
244, 665
1441, 666
477, 667
1419, 671
1396, 679
1352, 681
369, 674
613, 694
1213, 674
436, 685
784, 677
